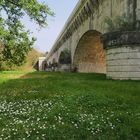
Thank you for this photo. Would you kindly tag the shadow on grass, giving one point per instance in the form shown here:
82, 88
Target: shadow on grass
19, 84
30, 85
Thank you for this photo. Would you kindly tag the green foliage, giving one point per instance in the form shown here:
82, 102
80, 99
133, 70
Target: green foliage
120, 23
68, 106
65, 57
30, 60
6, 65
15, 38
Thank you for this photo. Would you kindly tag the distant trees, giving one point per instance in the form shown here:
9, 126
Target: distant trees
30, 61
13, 36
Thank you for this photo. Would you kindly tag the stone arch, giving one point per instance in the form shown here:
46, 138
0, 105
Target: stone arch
65, 57
44, 65
89, 55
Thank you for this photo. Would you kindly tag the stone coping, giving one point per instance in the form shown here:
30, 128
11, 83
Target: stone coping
120, 38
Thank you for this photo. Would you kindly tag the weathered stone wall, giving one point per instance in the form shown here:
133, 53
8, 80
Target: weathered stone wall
89, 15
64, 67
138, 10
123, 62
90, 55
56, 54
123, 54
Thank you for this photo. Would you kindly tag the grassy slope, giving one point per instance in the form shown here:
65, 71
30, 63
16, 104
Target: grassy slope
31, 59
69, 106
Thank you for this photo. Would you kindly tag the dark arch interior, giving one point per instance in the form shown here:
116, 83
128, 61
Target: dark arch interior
90, 55
65, 57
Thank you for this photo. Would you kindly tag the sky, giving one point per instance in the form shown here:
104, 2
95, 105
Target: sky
47, 36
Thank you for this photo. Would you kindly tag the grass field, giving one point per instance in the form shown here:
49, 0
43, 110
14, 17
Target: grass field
68, 106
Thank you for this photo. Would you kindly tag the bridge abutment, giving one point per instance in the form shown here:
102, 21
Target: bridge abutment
123, 55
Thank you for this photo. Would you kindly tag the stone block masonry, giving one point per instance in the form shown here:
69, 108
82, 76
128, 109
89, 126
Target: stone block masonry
123, 62
81, 35
123, 55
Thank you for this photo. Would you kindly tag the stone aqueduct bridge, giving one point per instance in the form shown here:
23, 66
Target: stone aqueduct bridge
82, 33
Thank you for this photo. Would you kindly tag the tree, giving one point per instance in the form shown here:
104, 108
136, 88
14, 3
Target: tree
13, 36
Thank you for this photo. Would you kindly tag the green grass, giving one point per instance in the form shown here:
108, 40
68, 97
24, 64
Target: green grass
68, 106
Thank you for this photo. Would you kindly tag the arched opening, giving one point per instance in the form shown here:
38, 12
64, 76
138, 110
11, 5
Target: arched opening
65, 57
44, 65
89, 55
65, 60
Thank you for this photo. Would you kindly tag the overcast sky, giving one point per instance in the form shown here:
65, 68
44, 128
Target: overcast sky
47, 36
